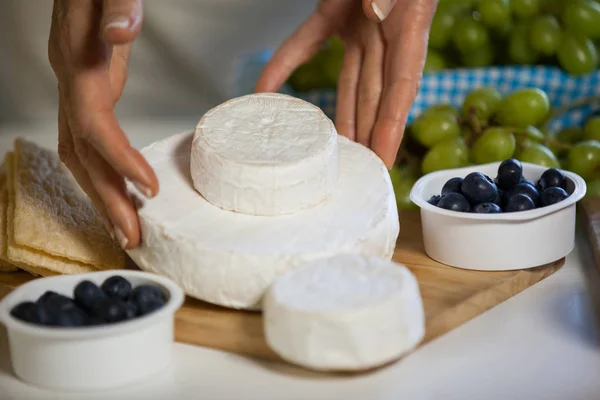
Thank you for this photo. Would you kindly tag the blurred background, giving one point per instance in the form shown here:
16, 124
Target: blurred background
182, 64
503, 78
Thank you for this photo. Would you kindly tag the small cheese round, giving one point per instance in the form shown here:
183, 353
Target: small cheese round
229, 258
265, 154
344, 313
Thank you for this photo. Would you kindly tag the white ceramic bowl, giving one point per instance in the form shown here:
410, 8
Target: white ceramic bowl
494, 242
90, 358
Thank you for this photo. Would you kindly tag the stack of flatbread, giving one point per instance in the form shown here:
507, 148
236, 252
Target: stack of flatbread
48, 226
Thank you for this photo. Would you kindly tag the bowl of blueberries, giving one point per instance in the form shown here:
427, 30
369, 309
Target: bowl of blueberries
499, 216
91, 331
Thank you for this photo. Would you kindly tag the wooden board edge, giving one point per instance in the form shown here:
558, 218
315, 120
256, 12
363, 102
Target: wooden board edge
590, 213
486, 300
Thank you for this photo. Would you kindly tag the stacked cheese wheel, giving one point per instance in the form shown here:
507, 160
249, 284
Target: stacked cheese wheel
265, 194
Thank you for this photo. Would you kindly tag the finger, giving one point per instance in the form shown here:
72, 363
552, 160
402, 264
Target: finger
119, 66
111, 189
66, 152
405, 58
370, 85
121, 20
295, 50
345, 110
378, 10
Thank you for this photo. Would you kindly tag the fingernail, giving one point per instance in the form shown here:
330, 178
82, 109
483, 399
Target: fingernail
143, 189
382, 8
118, 23
121, 238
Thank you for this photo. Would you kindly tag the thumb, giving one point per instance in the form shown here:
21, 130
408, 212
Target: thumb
378, 10
121, 20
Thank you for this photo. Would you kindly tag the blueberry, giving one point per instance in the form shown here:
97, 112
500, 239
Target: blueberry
131, 310
510, 173
454, 202
109, 310
553, 195
43, 314
117, 287
434, 200
25, 311
479, 188
487, 208
144, 293
148, 298
552, 178
452, 186
86, 293
74, 316
151, 306
55, 303
519, 202
527, 190
499, 200
94, 321
525, 180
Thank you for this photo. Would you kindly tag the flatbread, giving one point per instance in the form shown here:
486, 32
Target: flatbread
5, 266
32, 260
54, 216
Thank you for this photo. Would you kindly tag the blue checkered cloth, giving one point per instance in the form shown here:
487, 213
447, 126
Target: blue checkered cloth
452, 86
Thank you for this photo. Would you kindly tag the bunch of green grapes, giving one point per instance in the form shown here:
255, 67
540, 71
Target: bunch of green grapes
490, 127
322, 70
478, 33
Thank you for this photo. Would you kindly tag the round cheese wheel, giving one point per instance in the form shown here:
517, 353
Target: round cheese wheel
344, 313
229, 258
265, 154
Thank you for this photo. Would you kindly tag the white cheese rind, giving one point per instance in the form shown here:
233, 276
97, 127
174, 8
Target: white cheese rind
265, 154
229, 258
346, 313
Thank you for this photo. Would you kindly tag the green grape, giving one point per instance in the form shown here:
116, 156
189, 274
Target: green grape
530, 134
457, 4
570, 135
447, 108
537, 153
310, 76
333, 60
554, 7
469, 35
591, 129
434, 61
593, 188
430, 128
524, 9
494, 13
523, 107
577, 54
584, 159
582, 17
519, 47
450, 153
483, 102
544, 34
441, 27
480, 58
402, 181
495, 144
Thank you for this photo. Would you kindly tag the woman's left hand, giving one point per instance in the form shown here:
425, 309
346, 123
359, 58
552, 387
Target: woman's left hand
385, 43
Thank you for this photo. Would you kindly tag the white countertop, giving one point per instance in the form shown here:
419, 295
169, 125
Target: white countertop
541, 344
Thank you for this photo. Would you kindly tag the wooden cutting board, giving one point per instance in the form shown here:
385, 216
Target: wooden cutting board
451, 297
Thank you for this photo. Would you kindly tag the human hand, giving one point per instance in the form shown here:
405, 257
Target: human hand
89, 46
385, 44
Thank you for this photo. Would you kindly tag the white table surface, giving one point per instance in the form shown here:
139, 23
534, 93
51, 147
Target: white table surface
541, 344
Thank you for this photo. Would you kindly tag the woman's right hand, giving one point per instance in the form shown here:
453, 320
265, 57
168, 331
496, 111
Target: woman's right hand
89, 47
